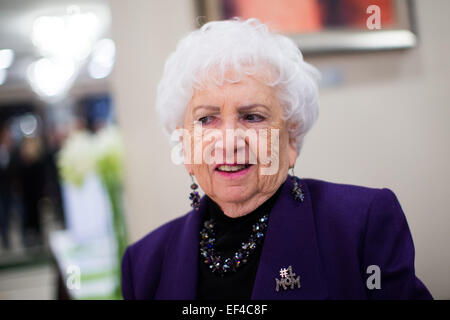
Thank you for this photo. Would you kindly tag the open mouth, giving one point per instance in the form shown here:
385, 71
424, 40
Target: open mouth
231, 168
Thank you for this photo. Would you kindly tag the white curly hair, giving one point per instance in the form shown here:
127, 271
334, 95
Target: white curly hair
245, 47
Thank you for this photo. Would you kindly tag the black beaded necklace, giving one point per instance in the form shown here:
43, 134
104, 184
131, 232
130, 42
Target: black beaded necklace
221, 266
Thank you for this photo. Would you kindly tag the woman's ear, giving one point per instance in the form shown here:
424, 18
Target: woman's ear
187, 166
292, 145
292, 152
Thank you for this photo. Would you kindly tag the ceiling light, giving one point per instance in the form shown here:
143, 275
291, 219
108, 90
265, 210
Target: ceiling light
103, 57
51, 77
6, 58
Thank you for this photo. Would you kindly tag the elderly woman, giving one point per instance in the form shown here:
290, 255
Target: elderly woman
244, 99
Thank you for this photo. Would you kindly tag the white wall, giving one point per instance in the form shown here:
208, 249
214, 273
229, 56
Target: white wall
145, 33
385, 125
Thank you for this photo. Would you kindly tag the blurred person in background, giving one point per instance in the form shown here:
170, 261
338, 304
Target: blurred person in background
55, 137
32, 181
6, 147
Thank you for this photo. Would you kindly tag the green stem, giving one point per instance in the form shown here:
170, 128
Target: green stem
114, 192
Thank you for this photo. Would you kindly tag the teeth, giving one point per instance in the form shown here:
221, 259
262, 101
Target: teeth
231, 168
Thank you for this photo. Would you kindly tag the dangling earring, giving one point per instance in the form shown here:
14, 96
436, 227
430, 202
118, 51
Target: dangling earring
297, 191
194, 196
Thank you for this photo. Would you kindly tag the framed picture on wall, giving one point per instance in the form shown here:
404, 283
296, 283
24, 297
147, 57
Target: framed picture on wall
321, 26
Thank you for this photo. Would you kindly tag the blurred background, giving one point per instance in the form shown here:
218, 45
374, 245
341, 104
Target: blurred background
85, 168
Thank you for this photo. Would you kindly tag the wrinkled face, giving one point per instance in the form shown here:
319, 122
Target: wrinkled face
251, 106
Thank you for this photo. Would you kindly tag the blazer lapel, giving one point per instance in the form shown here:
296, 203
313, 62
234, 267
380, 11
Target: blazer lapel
291, 241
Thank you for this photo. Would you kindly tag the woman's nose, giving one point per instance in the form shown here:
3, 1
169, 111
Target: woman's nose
233, 141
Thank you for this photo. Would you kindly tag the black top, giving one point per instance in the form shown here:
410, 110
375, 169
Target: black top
230, 233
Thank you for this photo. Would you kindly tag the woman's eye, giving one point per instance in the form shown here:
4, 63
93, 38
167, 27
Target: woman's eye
206, 120
253, 117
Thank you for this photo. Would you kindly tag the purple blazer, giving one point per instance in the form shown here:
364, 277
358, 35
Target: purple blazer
329, 239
